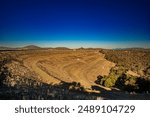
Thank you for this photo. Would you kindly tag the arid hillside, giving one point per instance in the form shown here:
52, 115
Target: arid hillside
131, 72
54, 66
58, 74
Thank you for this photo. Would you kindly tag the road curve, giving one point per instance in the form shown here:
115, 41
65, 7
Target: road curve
68, 66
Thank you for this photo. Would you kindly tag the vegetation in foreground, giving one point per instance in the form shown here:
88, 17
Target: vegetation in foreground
17, 82
24, 84
132, 70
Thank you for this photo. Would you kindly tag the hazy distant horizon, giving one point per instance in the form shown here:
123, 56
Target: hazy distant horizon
77, 45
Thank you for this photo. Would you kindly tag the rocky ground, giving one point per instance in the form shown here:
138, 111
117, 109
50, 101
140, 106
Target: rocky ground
57, 74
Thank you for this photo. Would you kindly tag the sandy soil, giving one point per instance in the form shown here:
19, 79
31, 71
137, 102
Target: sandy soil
53, 66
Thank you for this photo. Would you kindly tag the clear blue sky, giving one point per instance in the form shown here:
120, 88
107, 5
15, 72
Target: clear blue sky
75, 23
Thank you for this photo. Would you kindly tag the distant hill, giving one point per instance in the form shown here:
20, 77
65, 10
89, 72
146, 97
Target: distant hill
62, 48
5, 48
31, 47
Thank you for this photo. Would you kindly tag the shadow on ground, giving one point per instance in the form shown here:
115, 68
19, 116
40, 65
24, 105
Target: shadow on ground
29, 89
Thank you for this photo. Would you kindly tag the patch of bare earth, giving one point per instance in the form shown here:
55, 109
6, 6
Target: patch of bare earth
80, 66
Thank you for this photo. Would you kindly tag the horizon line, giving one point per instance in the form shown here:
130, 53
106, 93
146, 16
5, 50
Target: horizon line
44, 47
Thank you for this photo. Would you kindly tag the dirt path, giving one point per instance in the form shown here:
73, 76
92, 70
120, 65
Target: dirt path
68, 66
31, 63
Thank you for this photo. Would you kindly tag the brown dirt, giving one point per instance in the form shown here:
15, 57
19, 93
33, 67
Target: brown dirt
80, 66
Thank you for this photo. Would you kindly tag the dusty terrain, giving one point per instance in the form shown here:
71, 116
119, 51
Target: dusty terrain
61, 73
54, 66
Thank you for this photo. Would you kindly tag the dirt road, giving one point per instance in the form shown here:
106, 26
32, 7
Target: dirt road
79, 66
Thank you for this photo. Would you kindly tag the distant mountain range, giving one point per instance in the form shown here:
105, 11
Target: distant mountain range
34, 47
31, 47
62, 48
5, 48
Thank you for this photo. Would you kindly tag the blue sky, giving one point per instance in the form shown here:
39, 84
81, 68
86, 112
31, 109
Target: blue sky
75, 23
